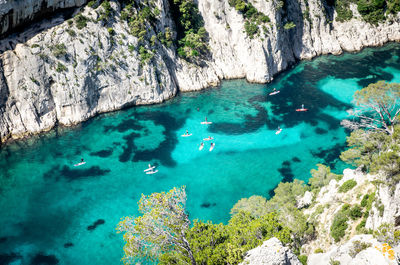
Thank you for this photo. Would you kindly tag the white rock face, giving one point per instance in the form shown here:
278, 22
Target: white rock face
375, 254
271, 252
305, 201
389, 197
101, 74
329, 202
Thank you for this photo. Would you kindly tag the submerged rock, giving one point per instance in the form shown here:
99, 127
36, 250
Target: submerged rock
271, 252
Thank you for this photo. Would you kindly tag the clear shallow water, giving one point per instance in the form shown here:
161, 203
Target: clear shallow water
54, 212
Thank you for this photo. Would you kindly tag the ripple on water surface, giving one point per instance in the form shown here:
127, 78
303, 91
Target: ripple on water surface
53, 212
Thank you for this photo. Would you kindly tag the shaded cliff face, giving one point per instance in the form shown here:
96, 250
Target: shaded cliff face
64, 72
17, 13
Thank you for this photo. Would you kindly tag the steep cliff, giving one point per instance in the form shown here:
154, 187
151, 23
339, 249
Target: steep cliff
19, 13
64, 72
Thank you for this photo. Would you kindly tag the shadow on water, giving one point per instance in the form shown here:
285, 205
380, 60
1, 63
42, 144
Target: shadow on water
163, 151
74, 174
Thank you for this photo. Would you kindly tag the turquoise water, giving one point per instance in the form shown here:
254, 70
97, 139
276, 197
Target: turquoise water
54, 212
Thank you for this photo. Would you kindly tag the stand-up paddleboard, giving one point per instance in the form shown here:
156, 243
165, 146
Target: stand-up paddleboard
186, 135
79, 164
208, 139
206, 122
201, 147
274, 93
150, 168
278, 131
152, 172
212, 147
300, 110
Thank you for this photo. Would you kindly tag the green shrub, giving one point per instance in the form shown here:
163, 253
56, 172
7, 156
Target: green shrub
361, 226
93, 4
355, 212
80, 21
251, 29
35, 45
303, 259
289, 25
110, 31
59, 50
321, 177
106, 11
339, 226
318, 250
348, 185
386, 233
357, 247
343, 10
372, 11
61, 68
145, 55
71, 32
334, 262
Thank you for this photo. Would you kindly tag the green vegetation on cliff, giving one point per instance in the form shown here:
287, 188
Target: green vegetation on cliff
253, 17
372, 11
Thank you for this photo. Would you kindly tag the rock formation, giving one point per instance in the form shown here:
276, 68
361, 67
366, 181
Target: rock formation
20, 13
360, 250
55, 73
271, 252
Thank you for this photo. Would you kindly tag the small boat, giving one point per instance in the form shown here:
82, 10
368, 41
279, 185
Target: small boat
186, 135
302, 108
151, 172
79, 164
274, 92
201, 146
212, 147
206, 122
150, 168
208, 139
278, 131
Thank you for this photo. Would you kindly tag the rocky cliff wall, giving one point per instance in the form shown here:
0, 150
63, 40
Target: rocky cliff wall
17, 13
43, 84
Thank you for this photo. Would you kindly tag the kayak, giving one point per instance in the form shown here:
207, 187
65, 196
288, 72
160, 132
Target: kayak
301, 109
186, 135
150, 168
208, 139
206, 122
212, 147
152, 172
274, 93
278, 131
79, 164
201, 147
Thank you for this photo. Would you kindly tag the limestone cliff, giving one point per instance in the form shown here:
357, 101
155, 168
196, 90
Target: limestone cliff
55, 73
19, 13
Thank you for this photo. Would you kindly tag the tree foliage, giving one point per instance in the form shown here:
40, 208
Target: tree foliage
284, 203
347, 185
161, 228
321, 177
375, 151
227, 244
378, 107
255, 205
